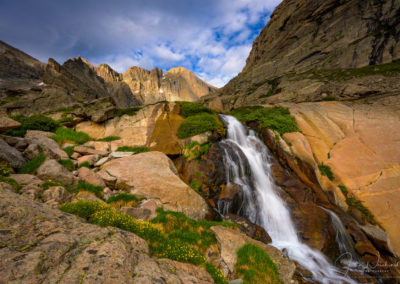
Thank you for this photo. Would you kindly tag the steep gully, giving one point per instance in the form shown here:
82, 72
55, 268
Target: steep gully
248, 165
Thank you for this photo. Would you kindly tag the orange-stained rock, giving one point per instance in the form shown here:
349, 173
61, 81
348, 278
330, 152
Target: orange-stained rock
360, 143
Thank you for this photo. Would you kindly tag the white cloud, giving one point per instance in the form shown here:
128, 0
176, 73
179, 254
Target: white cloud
211, 37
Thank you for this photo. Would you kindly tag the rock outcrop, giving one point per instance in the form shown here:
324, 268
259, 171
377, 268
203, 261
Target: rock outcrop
359, 142
154, 126
307, 48
153, 175
41, 244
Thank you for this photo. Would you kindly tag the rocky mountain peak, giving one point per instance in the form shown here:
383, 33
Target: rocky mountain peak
108, 74
313, 50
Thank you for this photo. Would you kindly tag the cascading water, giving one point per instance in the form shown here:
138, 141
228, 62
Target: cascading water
248, 165
348, 256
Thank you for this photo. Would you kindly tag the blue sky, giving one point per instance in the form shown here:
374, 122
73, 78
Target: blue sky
210, 37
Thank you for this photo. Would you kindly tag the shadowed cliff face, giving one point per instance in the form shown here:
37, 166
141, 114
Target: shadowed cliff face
307, 45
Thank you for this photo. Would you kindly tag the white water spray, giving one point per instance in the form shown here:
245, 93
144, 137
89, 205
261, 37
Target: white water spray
248, 165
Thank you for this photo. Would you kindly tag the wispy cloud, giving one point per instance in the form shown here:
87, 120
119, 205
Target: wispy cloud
210, 37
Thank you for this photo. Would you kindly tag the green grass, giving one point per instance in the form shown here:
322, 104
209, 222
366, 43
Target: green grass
195, 150
215, 273
69, 164
196, 233
197, 124
64, 135
276, 118
109, 139
158, 238
85, 186
326, 171
344, 190
85, 164
255, 266
47, 184
190, 109
69, 150
34, 122
134, 149
31, 166
5, 168
352, 201
126, 197
128, 111
387, 70
65, 118
196, 185
11, 182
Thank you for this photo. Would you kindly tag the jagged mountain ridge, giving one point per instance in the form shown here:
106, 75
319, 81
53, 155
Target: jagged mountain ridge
27, 84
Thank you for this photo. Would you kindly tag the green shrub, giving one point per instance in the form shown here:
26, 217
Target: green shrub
196, 185
47, 184
109, 139
276, 118
34, 122
84, 208
128, 111
197, 124
180, 227
344, 190
216, 274
11, 182
161, 245
65, 118
69, 150
122, 197
85, 186
85, 164
64, 135
352, 201
195, 150
255, 266
190, 109
31, 166
134, 149
5, 168
326, 171
69, 164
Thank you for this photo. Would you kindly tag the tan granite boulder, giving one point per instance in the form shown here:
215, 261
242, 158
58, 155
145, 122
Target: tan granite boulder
153, 175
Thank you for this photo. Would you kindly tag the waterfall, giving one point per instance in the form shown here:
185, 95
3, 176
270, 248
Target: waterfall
247, 162
348, 256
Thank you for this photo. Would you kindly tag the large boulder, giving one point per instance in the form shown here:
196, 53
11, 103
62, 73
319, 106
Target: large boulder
90, 176
45, 144
40, 244
230, 241
153, 175
52, 170
11, 155
7, 123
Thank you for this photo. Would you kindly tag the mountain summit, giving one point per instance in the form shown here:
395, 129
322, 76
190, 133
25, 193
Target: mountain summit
27, 84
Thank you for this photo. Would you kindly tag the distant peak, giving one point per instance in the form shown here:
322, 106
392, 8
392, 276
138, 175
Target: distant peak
178, 69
